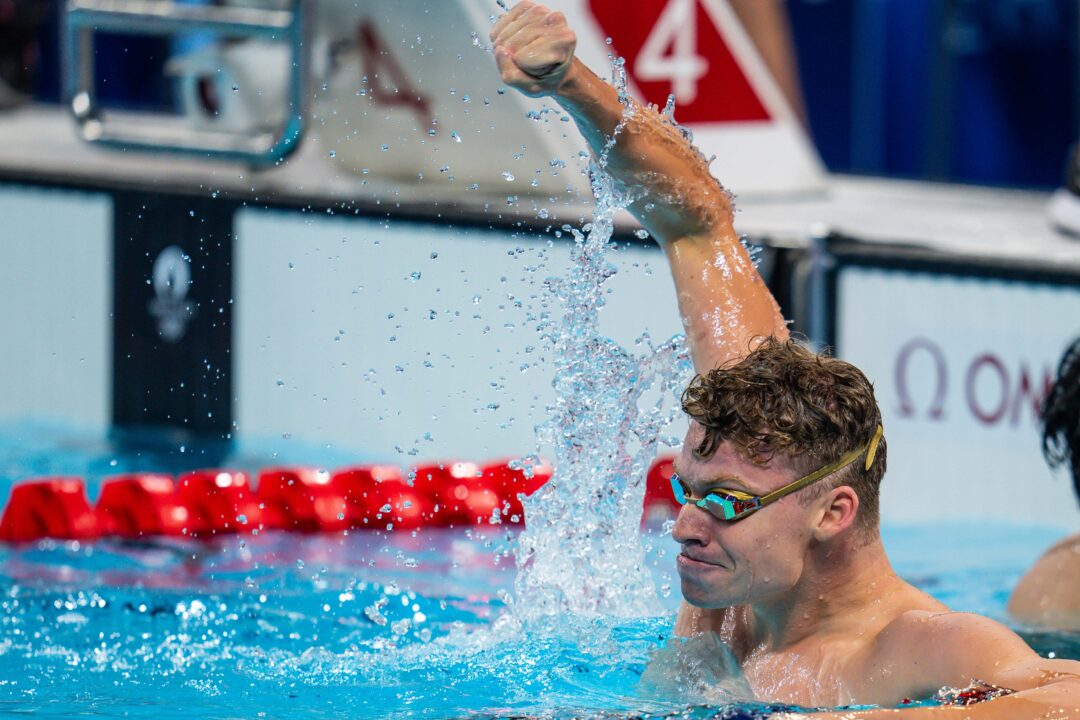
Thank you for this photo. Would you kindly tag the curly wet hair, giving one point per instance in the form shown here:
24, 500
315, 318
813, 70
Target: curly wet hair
1061, 416
785, 400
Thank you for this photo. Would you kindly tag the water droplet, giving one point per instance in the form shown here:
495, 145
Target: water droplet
508, 176
454, 136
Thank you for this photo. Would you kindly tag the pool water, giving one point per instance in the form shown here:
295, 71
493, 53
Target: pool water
365, 625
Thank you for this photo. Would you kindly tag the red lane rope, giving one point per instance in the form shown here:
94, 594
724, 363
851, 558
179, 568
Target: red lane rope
210, 502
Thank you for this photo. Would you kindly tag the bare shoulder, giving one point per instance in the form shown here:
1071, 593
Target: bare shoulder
1070, 545
1048, 595
928, 628
925, 650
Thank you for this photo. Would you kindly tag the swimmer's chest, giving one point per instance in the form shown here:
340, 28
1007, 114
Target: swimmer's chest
813, 674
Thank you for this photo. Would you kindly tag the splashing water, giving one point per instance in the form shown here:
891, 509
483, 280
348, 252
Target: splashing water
581, 552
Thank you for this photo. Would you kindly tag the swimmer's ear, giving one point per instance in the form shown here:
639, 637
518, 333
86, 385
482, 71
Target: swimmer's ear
838, 509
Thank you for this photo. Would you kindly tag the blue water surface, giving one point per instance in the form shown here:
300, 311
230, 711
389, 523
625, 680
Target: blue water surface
362, 625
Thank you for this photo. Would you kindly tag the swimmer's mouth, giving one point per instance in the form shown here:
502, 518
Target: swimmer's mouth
690, 560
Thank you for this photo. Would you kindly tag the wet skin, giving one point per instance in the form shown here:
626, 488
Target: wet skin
723, 564
801, 635
1048, 596
813, 612
801, 593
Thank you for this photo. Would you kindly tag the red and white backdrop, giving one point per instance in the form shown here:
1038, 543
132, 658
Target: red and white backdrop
411, 92
698, 51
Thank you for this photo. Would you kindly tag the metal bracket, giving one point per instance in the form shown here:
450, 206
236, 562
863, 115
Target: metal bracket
142, 131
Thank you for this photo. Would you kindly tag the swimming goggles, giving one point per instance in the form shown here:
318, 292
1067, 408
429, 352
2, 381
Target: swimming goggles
732, 505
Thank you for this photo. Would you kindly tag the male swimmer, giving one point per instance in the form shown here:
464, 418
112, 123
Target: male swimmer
780, 469
1048, 596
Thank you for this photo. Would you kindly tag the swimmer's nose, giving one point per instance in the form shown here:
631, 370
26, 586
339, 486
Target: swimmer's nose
690, 526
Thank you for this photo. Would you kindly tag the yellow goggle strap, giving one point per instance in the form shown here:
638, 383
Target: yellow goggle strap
869, 448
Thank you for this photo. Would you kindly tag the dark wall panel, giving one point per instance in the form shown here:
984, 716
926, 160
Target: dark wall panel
172, 301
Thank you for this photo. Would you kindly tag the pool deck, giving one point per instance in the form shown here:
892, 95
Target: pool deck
989, 224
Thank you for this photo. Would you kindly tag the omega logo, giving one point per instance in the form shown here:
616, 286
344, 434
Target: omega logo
994, 391
171, 281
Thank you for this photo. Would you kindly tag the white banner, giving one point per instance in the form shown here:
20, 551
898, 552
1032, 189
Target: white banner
408, 341
960, 367
55, 297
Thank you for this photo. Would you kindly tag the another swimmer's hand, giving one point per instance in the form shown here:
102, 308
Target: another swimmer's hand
534, 48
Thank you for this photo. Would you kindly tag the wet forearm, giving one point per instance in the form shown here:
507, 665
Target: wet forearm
723, 302
650, 156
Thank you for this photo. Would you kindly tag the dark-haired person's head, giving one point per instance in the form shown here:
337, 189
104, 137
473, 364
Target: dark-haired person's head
1061, 416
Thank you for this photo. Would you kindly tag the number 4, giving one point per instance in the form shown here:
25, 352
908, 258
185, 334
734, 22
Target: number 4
682, 67
380, 66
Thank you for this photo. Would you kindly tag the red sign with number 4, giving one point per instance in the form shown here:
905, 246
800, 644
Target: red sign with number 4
678, 47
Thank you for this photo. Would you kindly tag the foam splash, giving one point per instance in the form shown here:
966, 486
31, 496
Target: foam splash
580, 552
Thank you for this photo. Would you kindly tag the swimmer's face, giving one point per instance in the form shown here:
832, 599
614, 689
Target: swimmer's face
753, 560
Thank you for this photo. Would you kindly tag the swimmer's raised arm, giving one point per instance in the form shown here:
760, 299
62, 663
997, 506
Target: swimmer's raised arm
723, 301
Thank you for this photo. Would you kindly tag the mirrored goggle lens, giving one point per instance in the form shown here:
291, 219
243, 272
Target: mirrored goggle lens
677, 489
730, 507
718, 506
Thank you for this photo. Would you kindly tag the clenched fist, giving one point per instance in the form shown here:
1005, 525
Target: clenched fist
534, 48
